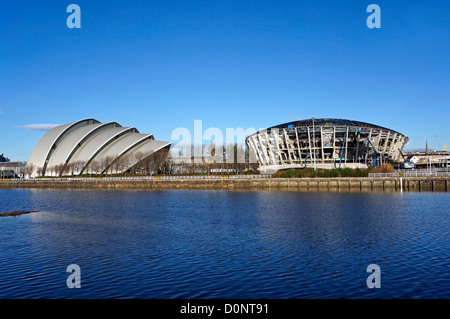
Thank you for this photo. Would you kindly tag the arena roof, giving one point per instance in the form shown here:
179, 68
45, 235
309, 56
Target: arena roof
330, 122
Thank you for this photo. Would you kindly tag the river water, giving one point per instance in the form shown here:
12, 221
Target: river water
224, 244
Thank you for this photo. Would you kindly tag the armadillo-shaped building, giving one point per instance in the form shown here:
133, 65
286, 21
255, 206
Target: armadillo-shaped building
89, 146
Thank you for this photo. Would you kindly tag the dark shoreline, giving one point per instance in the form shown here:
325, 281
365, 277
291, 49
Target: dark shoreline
17, 213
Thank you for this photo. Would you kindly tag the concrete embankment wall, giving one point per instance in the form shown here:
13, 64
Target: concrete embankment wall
308, 184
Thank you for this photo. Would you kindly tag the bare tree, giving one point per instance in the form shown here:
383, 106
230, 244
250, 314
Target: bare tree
126, 161
29, 170
51, 170
93, 167
59, 168
70, 168
39, 171
168, 166
78, 166
139, 160
107, 165
159, 159
104, 164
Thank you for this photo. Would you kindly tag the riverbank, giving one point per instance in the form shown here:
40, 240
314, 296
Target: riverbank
440, 184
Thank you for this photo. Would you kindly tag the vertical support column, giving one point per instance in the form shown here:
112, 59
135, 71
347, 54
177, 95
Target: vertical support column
256, 149
392, 143
321, 145
269, 148
370, 139
310, 150
334, 146
357, 149
276, 137
288, 146
298, 146
261, 148
346, 146
385, 143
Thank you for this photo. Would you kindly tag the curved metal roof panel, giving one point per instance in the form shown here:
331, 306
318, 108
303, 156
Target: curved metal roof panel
42, 151
38, 154
75, 138
147, 148
89, 149
121, 145
150, 146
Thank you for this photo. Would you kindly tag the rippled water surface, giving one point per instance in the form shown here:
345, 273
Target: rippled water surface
224, 244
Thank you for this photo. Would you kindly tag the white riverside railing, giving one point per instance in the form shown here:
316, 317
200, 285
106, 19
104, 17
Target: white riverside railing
427, 174
200, 177
141, 178
383, 174
412, 174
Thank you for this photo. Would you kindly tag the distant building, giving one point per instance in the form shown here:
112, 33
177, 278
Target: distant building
414, 159
435, 159
12, 169
3, 159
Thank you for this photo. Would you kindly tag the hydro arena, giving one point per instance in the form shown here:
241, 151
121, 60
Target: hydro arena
325, 144
90, 146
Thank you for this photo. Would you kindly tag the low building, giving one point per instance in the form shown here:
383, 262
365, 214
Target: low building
433, 158
12, 169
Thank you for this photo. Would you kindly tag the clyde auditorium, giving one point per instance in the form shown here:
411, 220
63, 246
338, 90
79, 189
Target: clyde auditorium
326, 144
83, 143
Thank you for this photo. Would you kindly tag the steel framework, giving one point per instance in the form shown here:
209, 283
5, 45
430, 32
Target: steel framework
326, 143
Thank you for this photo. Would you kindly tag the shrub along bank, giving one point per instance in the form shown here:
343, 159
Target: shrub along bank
335, 172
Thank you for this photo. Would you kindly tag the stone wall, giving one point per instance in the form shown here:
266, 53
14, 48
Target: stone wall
307, 184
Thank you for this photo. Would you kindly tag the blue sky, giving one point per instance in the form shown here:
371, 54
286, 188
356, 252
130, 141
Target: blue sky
159, 65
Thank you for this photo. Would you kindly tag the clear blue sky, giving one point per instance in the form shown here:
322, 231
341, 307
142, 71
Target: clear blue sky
159, 65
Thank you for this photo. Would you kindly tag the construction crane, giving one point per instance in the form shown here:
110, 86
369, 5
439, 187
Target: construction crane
375, 151
407, 164
292, 115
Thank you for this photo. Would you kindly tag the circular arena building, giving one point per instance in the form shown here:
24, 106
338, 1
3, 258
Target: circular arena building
88, 146
326, 144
